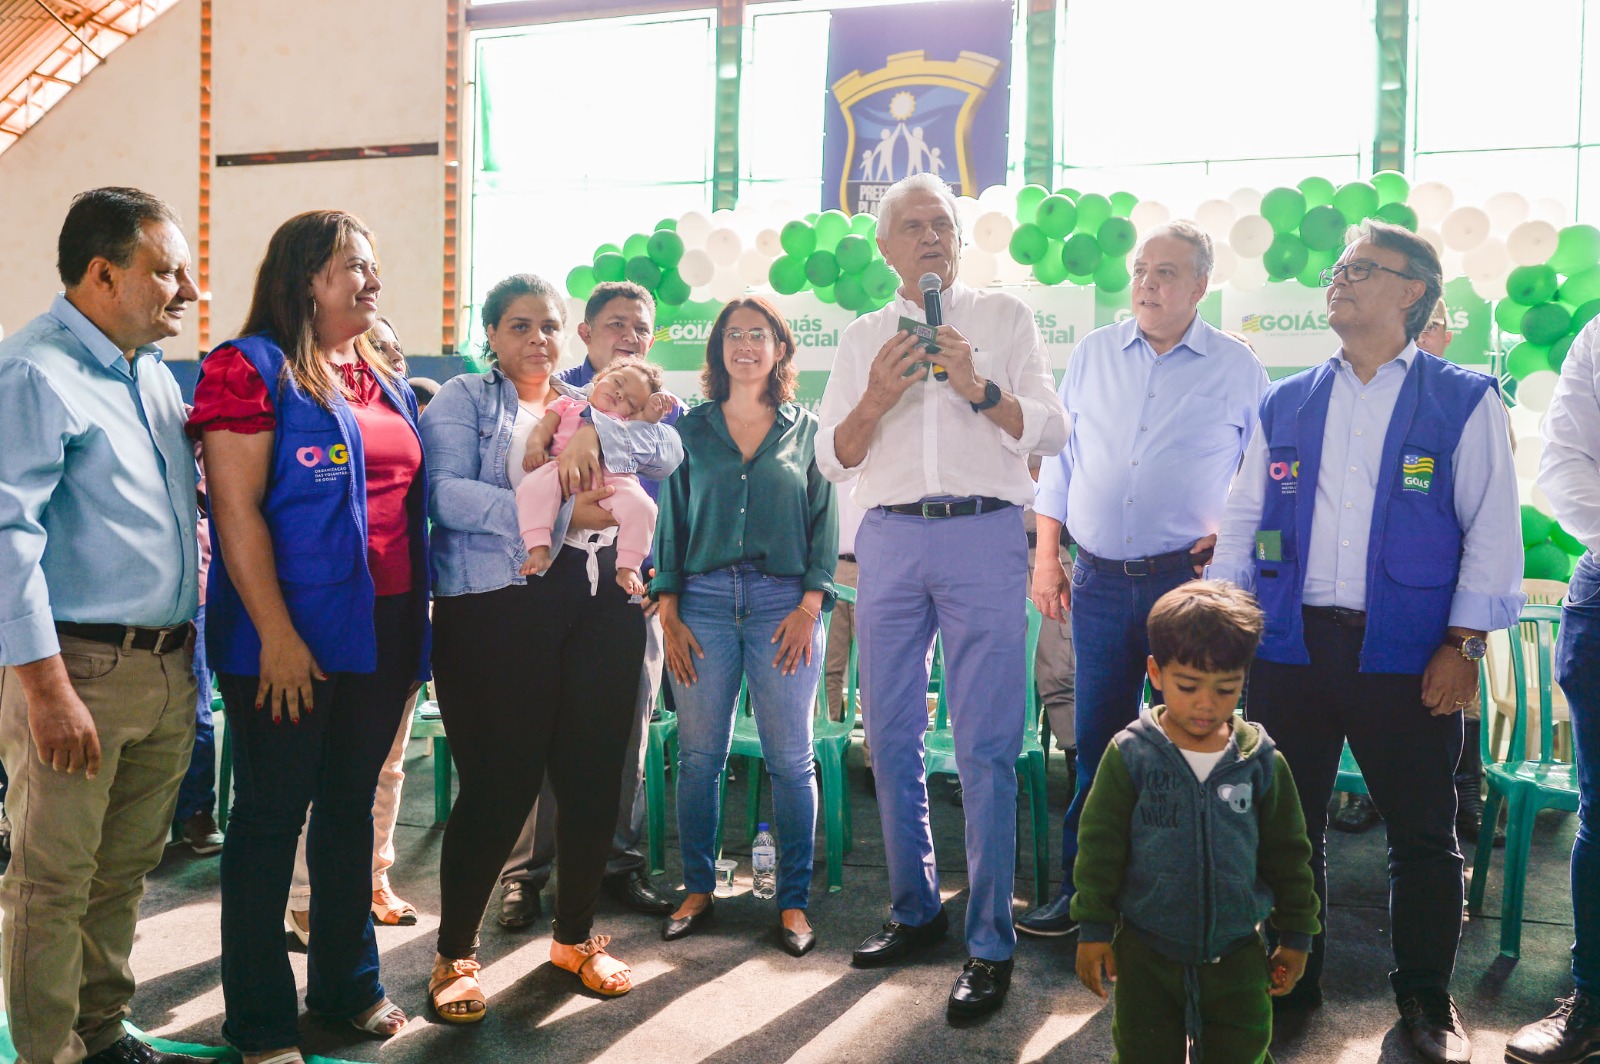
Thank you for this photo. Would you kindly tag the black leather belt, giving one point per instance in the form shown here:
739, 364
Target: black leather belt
978, 504
1154, 566
1337, 615
847, 557
129, 637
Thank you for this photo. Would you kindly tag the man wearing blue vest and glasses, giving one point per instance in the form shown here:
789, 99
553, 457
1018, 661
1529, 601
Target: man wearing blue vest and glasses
1375, 516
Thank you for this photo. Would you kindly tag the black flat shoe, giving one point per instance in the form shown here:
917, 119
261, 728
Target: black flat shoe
635, 890
1435, 1028
519, 905
980, 988
796, 944
897, 939
129, 1050
673, 929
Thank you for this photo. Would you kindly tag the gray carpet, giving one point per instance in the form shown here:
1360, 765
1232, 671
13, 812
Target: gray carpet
731, 994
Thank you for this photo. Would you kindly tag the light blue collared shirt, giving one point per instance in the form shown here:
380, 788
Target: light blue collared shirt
1155, 439
97, 487
1489, 587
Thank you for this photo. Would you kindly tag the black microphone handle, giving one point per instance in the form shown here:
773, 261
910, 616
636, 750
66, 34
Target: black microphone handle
935, 314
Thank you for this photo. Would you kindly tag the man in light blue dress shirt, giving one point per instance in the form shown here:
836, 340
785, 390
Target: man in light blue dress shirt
1162, 406
1375, 517
98, 591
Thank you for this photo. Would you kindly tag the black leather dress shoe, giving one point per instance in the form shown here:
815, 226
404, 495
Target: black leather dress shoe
796, 944
1435, 1028
981, 987
519, 905
129, 1050
1569, 1035
635, 890
673, 928
897, 939
1052, 920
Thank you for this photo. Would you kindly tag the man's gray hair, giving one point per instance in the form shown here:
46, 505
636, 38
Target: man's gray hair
1205, 255
923, 182
1422, 264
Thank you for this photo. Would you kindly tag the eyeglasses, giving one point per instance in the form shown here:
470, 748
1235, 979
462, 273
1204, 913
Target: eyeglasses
1359, 270
755, 336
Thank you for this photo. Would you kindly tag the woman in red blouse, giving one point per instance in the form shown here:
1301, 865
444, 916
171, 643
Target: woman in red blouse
318, 620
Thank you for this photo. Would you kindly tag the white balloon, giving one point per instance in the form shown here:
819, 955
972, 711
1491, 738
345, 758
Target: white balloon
1009, 271
753, 267
1450, 263
1525, 421
724, 246
1488, 260
1465, 228
992, 232
998, 198
694, 227
1525, 489
1431, 200
978, 268
1215, 217
769, 243
1433, 238
1506, 210
575, 314
1248, 275
1541, 501
1532, 242
1245, 200
1251, 236
576, 348
1536, 389
1148, 214
1526, 459
700, 294
727, 284
967, 212
1490, 288
696, 268
1223, 266
1551, 210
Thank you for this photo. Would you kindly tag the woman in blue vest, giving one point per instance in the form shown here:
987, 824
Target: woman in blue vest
535, 674
317, 621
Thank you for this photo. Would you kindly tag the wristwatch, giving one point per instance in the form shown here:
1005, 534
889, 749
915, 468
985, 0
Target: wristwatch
991, 396
1470, 646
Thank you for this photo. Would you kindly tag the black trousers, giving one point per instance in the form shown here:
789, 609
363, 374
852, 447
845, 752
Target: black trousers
532, 679
1408, 758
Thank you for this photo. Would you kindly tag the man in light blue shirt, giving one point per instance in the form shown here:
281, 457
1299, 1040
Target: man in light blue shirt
1162, 406
98, 591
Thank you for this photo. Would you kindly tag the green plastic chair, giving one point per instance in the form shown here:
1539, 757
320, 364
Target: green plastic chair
1525, 786
939, 757
427, 724
661, 751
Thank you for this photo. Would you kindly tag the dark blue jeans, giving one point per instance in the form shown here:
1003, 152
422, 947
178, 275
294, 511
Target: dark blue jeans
1109, 611
332, 757
198, 791
1578, 672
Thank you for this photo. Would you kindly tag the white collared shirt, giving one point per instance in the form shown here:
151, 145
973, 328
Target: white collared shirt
931, 442
1569, 469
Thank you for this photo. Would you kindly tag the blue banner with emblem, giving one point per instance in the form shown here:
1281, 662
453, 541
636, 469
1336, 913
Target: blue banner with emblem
916, 88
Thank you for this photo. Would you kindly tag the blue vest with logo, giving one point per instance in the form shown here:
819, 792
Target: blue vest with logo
316, 511
1414, 549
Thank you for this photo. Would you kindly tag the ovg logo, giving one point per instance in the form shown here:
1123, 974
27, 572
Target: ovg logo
1416, 473
312, 457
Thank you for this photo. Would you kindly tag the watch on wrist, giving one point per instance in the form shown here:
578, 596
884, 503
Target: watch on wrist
1470, 646
991, 396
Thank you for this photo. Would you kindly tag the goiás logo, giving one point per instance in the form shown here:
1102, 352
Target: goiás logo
809, 331
326, 465
1416, 473
1285, 474
1302, 324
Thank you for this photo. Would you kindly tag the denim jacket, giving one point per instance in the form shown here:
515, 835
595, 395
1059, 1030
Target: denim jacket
476, 544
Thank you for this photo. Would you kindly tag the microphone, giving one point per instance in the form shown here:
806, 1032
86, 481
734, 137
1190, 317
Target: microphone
931, 284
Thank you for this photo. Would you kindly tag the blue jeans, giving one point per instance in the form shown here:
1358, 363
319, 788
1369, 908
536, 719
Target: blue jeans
1109, 612
733, 614
1578, 673
198, 791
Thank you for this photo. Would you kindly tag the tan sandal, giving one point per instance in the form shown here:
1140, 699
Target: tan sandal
455, 982
596, 967
391, 910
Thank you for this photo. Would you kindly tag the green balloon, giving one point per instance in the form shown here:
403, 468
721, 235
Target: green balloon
1566, 540
1546, 562
1581, 287
1056, 215
1545, 324
1323, 228
1116, 237
1286, 257
1531, 285
1123, 203
850, 292
1356, 200
1585, 314
636, 245
863, 224
1081, 255
1283, 208
1049, 270
665, 248
1316, 261
610, 266
669, 224
880, 280
673, 290
1526, 358
1577, 249
1028, 197
831, 228
1093, 209
1398, 214
1536, 526
581, 281
1028, 243
1392, 187
853, 253
1112, 276
822, 269
787, 275
605, 249
798, 239
1071, 193
642, 272
811, 217
1318, 191
1559, 349
1508, 315
825, 293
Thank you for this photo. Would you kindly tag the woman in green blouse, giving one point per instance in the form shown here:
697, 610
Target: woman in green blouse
745, 550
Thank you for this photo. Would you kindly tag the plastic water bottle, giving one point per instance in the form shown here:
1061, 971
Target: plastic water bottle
764, 863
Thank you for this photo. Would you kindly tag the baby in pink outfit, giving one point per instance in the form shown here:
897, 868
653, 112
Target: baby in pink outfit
629, 390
